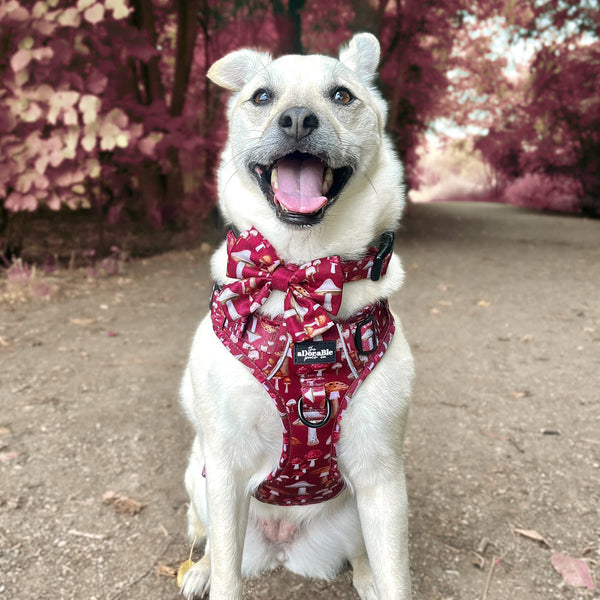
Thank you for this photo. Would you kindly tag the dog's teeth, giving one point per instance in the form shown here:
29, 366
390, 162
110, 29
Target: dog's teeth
274, 179
327, 180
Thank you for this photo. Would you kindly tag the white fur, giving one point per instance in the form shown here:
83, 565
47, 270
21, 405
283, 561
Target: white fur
238, 430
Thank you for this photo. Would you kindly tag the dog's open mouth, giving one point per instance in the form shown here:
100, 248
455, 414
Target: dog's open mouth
301, 186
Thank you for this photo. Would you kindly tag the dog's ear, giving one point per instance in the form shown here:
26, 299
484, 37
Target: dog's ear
362, 55
236, 69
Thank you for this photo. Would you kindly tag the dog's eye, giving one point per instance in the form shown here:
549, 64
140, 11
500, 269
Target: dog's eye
342, 96
262, 96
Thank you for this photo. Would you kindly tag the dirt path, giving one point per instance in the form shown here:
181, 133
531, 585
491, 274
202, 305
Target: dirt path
502, 309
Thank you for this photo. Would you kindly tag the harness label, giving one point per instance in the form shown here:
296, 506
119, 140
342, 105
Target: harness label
312, 353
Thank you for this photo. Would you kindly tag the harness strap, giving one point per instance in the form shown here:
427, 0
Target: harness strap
384, 249
310, 397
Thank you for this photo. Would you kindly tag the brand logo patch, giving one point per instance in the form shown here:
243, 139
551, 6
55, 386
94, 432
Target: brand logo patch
312, 353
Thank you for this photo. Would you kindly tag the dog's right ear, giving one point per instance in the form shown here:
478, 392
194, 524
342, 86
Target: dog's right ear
237, 68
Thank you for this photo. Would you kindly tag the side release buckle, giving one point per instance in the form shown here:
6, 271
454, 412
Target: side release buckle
386, 245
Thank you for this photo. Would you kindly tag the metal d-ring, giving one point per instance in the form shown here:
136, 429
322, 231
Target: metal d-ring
314, 424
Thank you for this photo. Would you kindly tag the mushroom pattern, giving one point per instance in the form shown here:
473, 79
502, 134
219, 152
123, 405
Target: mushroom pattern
301, 486
328, 289
312, 438
306, 471
312, 456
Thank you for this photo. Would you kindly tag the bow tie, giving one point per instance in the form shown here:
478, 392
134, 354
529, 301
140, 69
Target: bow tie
313, 291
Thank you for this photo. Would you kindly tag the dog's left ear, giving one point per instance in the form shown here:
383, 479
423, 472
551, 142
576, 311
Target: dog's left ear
237, 68
362, 55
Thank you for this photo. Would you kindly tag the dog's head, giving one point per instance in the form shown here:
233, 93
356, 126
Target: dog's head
306, 146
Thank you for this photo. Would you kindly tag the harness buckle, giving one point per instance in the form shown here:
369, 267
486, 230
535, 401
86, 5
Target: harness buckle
215, 290
386, 245
359, 336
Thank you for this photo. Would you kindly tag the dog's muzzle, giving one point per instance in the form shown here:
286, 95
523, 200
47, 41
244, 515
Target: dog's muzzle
300, 184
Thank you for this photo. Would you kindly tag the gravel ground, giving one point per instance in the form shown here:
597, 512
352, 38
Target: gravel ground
502, 309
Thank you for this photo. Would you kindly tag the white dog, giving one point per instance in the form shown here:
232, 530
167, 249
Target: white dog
307, 174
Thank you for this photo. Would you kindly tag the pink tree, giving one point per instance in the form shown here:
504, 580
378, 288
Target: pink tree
547, 130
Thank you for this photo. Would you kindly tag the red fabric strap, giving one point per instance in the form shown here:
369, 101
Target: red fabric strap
307, 471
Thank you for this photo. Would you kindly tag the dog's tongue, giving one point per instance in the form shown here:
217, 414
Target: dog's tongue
300, 182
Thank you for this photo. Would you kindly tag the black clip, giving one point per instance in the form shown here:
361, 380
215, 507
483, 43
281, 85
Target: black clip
358, 335
385, 247
215, 290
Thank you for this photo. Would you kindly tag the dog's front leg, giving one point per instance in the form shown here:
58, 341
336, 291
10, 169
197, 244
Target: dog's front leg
228, 505
383, 509
226, 510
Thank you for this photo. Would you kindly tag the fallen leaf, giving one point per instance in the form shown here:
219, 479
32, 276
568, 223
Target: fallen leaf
575, 571
494, 436
76, 321
184, 567
122, 504
85, 534
166, 571
484, 304
523, 394
531, 534
6, 456
5, 430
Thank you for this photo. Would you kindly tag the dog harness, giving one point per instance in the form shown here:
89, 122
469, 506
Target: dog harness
310, 364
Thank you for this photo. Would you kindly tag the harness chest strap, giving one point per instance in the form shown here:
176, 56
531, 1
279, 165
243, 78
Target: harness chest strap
311, 384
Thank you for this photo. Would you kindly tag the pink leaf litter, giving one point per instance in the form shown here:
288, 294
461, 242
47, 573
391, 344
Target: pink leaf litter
6, 456
574, 571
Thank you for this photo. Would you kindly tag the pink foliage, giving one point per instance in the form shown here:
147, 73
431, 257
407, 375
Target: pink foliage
98, 105
574, 571
542, 192
24, 279
546, 135
78, 125
89, 115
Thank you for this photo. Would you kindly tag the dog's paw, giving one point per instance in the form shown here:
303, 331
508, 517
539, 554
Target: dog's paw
366, 590
362, 579
196, 582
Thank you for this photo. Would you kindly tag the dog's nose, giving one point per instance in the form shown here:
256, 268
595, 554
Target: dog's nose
298, 122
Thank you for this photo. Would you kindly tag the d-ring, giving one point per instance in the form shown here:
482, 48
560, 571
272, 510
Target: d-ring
314, 424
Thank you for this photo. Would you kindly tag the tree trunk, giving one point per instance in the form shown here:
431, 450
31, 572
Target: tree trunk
289, 24
13, 232
143, 18
187, 27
